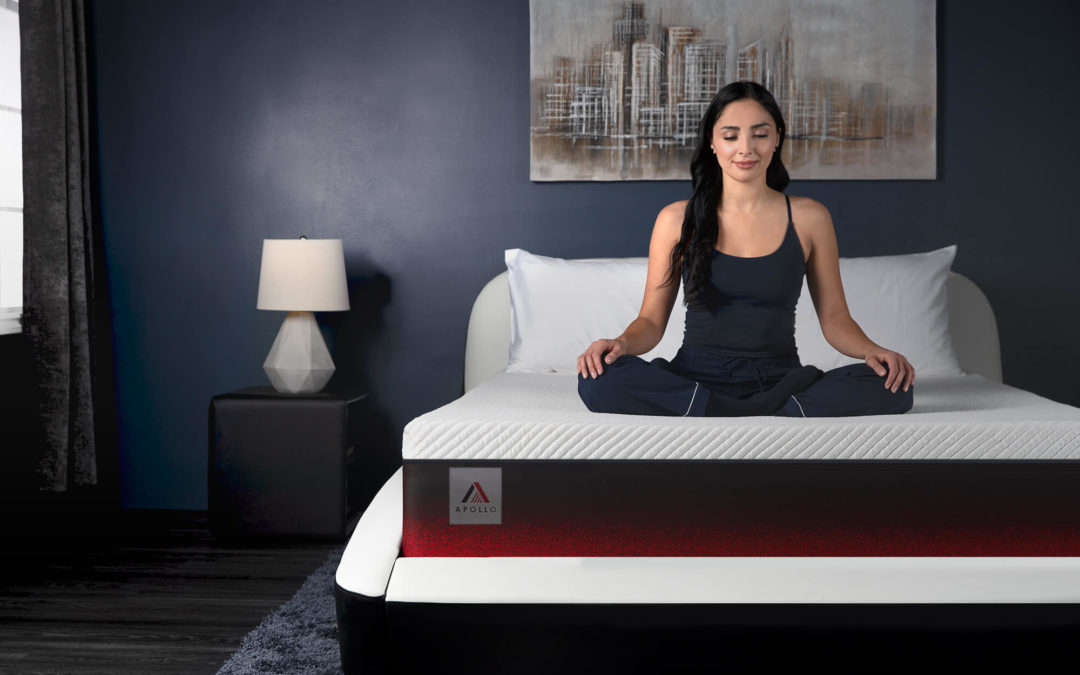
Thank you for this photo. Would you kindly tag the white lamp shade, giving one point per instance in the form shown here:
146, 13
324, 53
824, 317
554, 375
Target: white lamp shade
303, 275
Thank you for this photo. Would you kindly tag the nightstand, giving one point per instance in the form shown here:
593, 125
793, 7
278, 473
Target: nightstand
280, 464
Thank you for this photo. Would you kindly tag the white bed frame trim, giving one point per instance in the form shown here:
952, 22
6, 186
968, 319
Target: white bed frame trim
971, 322
375, 544
736, 580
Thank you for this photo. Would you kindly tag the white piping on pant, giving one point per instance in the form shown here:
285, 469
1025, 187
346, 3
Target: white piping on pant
696, 385
798, 404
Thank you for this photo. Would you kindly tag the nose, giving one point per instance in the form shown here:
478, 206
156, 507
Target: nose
744, 146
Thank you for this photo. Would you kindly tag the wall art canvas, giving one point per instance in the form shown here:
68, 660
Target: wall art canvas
619, 88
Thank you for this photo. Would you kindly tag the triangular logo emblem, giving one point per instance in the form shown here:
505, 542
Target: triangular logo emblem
475, 495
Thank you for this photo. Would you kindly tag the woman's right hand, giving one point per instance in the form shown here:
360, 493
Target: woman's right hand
591, 362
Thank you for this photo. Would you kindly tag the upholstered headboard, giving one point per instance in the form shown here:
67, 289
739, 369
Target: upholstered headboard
971, 322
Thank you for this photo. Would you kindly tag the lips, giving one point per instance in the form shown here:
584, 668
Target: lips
745, 165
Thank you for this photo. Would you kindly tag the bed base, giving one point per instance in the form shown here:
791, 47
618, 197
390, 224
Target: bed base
427, 638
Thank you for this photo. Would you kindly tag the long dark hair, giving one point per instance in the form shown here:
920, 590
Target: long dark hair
700, 227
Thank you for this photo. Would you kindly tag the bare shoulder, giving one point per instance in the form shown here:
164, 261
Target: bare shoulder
812, 221
670, 220
675, 208
810, 213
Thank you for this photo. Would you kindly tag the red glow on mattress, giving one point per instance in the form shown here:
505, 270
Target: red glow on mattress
586, 539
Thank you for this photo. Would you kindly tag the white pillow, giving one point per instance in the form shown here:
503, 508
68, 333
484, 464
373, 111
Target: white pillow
900, 303
558, 307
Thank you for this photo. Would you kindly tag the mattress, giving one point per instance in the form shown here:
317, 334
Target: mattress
519, 467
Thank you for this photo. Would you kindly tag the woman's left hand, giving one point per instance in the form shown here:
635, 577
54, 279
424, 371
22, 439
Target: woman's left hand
901, 372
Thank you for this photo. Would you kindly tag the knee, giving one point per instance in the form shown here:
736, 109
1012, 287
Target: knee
897, 402
904, 400
593, 392
875, 399
599, 394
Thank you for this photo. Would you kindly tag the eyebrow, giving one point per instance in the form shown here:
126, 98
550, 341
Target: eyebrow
754, 126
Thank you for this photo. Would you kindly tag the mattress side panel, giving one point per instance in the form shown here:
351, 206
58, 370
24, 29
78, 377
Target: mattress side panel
743, 508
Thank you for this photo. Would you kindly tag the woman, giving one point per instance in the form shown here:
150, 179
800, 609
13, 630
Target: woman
741, 248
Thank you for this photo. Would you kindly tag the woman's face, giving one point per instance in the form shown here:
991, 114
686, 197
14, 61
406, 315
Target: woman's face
744, 139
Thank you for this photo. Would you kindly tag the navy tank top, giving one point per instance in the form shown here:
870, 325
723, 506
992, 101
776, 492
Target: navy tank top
747, 308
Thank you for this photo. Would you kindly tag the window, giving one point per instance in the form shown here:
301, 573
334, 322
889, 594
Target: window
11, 183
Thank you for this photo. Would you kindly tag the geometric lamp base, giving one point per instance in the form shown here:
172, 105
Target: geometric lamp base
299, 362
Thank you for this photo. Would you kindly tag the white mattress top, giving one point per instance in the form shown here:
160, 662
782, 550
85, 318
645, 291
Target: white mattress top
528, 416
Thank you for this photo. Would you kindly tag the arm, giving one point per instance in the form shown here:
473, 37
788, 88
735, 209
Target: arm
827, 292
647, 329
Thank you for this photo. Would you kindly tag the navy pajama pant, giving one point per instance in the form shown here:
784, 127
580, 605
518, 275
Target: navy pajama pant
682, 387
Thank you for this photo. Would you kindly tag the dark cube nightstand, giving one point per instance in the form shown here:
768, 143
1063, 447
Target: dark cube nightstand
280, 463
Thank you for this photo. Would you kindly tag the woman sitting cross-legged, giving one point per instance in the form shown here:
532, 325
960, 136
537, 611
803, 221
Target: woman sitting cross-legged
741, 247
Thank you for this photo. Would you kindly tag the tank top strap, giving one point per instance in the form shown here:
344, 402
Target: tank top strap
792, 234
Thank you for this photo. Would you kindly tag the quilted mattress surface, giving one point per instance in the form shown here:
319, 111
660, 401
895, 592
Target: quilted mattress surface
525, 416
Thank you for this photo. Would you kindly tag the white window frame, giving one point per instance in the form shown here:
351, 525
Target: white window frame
11, 316
10, 320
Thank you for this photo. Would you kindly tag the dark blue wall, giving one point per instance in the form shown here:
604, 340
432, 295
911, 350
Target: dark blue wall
402, 128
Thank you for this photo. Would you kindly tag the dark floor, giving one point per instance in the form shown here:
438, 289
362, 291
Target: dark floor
148, 592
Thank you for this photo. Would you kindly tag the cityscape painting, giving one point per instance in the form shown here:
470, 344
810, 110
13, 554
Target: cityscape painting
619, 88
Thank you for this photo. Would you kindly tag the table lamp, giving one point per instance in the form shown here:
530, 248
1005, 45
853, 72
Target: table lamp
301, 276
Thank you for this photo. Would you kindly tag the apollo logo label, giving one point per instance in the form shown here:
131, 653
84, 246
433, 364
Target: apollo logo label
475, 496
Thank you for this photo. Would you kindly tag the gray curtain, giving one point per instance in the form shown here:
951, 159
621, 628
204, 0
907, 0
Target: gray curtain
58, 270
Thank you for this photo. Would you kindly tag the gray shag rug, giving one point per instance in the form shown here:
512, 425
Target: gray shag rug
300, 636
